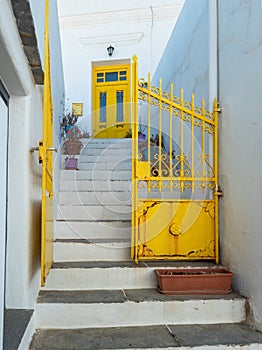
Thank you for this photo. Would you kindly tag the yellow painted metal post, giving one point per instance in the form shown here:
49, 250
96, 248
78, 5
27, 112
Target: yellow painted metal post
193, 143
216, 193
182, 182
171, 137
134, 241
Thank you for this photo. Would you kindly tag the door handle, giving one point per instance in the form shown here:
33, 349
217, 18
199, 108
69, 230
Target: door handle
41, 151
120, 125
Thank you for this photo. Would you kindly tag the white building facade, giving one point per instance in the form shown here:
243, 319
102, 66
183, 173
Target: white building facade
21, 105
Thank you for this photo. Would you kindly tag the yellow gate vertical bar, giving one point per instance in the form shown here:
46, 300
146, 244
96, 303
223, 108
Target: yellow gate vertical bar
134, 240
47, 162
216, 193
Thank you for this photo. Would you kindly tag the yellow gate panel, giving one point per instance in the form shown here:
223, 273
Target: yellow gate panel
174, 175
168, 230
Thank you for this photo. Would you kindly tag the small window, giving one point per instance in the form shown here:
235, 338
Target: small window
120, 106
123, 72
122, 78
100, 75
102, 107
112, 76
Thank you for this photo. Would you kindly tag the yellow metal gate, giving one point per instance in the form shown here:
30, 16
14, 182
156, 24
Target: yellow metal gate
174, 175
46, 158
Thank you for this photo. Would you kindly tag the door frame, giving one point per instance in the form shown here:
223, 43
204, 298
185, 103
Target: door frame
4, 96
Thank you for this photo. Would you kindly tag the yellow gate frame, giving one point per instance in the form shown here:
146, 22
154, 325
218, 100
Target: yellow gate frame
174, 196
46, 158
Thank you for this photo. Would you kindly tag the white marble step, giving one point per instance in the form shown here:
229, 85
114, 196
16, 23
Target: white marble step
105, 157
95, 185
95, 175
91, 151
120, 308
96, 250
106, 166
92, 213
92, 230
95, 198
90, 275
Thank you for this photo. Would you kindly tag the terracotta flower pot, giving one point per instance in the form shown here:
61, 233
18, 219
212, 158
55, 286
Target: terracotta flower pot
72, 147
194, 281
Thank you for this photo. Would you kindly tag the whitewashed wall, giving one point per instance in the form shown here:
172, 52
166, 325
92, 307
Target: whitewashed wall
241, 145
186, 57
132, 27
24, 180
190, 61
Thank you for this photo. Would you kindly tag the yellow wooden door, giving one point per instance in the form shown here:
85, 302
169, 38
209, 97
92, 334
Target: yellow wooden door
111, 102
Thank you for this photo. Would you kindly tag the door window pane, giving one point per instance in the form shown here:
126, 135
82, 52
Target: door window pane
100, 77
111, 76
102, 107
120, 109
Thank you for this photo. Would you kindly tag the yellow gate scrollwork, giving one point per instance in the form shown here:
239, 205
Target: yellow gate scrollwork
174, 175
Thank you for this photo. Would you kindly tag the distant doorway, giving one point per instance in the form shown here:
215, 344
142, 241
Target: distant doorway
3, 199
111, 97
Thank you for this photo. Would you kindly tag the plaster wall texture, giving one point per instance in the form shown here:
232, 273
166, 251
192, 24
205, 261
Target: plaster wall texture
24, 180
189, 62
185, 63
240, 55
138, 27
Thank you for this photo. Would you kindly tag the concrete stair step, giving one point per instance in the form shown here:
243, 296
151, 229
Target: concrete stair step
95, 185
183, 337
136, 307
90, 275
106, 166
91, 250
95, 175
105, 157
92, 213
92, 229
111, 151
95, 198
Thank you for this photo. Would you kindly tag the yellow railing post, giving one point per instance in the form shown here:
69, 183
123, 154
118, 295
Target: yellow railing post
216, 171
134, 241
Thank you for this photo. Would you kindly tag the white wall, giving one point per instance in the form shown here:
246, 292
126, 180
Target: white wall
132, 27
241, 145
25, 130
188, 62
185, 59
25, 112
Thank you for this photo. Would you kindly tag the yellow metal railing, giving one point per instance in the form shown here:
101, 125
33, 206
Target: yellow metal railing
174, 169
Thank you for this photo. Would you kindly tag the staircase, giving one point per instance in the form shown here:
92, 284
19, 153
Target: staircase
95, 297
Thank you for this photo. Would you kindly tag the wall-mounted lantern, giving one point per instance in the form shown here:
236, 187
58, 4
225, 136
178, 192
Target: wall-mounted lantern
110, 50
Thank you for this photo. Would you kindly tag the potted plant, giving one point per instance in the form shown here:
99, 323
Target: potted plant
194, 281
72, 145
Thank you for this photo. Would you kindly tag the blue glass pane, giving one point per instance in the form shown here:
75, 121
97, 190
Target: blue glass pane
122, 78
123, 72
120, 109
100, 75
102, 107
112, 76
100, 80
